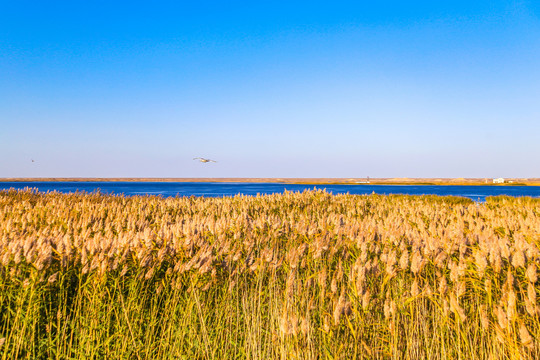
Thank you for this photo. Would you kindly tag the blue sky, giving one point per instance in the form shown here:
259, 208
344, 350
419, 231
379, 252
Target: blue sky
270, 89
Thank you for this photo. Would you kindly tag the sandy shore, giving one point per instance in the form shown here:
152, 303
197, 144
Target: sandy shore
359, 181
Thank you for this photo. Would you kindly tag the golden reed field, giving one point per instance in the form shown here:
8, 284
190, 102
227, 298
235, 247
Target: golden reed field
290, 276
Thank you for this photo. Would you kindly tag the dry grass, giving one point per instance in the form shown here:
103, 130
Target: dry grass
297, 275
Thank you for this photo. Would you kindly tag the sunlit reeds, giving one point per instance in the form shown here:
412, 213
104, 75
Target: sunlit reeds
297, 275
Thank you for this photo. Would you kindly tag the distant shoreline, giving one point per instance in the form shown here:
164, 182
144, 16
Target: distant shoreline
310, 181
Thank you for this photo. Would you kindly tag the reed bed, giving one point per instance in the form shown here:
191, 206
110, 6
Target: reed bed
288, 276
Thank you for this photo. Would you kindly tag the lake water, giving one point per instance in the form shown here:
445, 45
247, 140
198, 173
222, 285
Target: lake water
477, 193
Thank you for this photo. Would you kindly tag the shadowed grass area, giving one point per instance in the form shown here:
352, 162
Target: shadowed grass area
297, 275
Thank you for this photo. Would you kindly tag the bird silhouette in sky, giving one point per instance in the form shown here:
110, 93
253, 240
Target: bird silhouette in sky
33, 160
203, 160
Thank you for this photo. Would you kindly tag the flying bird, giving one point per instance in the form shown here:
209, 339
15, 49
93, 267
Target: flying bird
203, 160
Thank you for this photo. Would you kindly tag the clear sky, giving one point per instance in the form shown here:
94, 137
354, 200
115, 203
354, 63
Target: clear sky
270, 88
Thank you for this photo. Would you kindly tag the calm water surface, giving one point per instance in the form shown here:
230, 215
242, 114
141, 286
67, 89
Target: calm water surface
477, 193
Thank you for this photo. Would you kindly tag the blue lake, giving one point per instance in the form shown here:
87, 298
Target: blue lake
477, 193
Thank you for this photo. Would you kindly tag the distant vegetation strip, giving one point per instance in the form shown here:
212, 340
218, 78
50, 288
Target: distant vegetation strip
305, 181
287, 276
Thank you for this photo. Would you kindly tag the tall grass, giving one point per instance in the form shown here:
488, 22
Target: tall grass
288, 276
